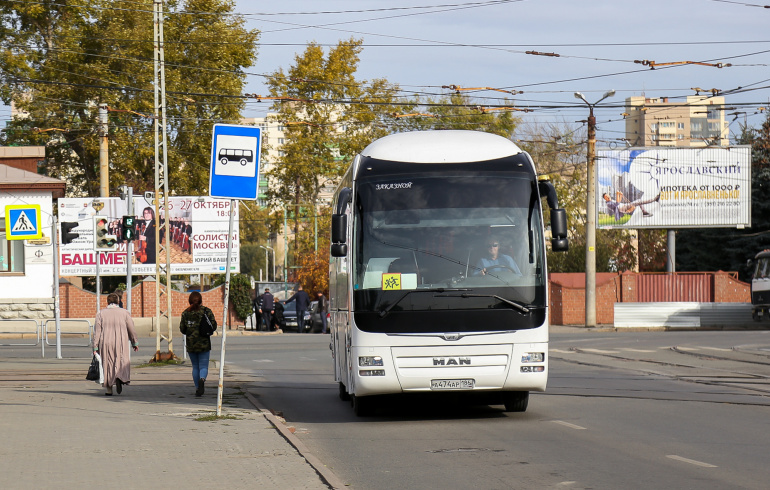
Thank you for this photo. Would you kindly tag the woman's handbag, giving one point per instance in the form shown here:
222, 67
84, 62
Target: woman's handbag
93, 370
205, 327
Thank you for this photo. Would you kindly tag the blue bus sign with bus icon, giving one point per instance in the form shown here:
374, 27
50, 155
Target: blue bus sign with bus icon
235, 155
227, 155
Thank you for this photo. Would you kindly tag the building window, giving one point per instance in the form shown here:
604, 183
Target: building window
280, 141
680, 125
654, 127
696, 126
714, 126
712, 114
669, 124
680, 136
281, 127
11, 252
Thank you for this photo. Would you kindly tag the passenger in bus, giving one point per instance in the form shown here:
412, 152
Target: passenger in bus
494, 260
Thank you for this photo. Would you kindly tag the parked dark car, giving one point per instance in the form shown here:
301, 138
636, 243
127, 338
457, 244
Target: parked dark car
312, 318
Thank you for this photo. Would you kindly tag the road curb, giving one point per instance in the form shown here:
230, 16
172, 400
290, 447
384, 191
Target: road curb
323, 471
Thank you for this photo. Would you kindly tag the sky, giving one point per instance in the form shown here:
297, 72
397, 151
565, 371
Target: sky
423, 45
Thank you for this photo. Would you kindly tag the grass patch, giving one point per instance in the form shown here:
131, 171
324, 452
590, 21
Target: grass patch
171, 362
212, 418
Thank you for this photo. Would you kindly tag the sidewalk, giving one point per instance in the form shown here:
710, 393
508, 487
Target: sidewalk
60, 431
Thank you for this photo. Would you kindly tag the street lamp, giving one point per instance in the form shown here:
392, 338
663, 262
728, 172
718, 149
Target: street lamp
266, 263
591, 211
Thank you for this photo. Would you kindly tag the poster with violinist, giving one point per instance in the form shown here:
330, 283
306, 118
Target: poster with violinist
197, 236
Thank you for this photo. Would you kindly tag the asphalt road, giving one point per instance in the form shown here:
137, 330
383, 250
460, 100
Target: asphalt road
622, 410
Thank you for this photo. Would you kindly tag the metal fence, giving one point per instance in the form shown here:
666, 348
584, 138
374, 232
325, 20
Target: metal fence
71, 331
28, 327
33, 333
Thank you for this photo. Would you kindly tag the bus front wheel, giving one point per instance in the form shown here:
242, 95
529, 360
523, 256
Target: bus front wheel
362, 406
516, 401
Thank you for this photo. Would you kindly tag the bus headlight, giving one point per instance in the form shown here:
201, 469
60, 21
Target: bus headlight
370, 361
533, 357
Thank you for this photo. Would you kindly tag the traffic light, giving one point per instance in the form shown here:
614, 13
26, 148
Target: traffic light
103, 240
129, 228
67, 236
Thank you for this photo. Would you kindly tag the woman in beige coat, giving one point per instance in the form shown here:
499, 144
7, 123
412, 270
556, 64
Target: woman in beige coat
113, 330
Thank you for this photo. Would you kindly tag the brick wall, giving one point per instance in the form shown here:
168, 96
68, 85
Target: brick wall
567, 294
728, 289
568, 302
75, 302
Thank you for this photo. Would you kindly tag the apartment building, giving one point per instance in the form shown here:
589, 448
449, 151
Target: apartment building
697, 122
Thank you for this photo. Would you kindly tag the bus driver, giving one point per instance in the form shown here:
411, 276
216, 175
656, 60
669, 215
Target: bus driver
495, 260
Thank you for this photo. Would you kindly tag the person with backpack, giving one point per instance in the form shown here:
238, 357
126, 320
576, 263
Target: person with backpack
198, 324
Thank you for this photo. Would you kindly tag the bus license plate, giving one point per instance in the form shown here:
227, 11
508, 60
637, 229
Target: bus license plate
451, 384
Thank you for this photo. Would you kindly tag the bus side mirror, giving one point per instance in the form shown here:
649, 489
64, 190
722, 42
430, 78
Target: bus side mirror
339, 250
339, 227
559, 242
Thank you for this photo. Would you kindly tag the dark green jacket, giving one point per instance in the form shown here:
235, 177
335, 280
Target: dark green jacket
189, 327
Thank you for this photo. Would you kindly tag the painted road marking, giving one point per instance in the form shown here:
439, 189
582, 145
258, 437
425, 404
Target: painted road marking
599, 351
567, 424
691, 461
645, 351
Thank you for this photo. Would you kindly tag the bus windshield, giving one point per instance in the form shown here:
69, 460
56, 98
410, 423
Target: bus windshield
466, 241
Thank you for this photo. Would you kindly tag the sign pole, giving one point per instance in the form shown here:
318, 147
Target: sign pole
98, 282
56, 311
220, 386
129, 250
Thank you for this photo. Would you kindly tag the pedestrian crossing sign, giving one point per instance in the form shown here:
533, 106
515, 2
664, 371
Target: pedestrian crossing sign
22, 222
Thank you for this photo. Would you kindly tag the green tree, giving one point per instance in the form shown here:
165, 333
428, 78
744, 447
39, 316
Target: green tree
60, 60
322, 126
328, 116
695, 250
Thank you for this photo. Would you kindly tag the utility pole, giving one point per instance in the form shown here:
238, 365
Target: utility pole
161, 183
104, 153
590, 292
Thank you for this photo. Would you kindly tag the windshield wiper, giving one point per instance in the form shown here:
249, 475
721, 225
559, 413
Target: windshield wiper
384, 313
509, 302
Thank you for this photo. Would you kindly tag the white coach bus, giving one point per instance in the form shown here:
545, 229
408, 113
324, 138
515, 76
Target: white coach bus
438, 273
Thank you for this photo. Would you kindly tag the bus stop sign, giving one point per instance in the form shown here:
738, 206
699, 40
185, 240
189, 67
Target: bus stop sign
235, 154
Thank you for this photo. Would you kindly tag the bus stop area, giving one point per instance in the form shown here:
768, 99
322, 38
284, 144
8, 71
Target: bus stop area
60, 430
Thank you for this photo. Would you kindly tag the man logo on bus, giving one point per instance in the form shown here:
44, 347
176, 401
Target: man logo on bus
451, 361
227, 155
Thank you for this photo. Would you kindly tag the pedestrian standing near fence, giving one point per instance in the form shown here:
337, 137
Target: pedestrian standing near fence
323, 309
113, 330
303, 301
267, 309
198, 343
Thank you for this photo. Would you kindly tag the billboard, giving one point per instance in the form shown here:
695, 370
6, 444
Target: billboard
673, 187
198, 229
